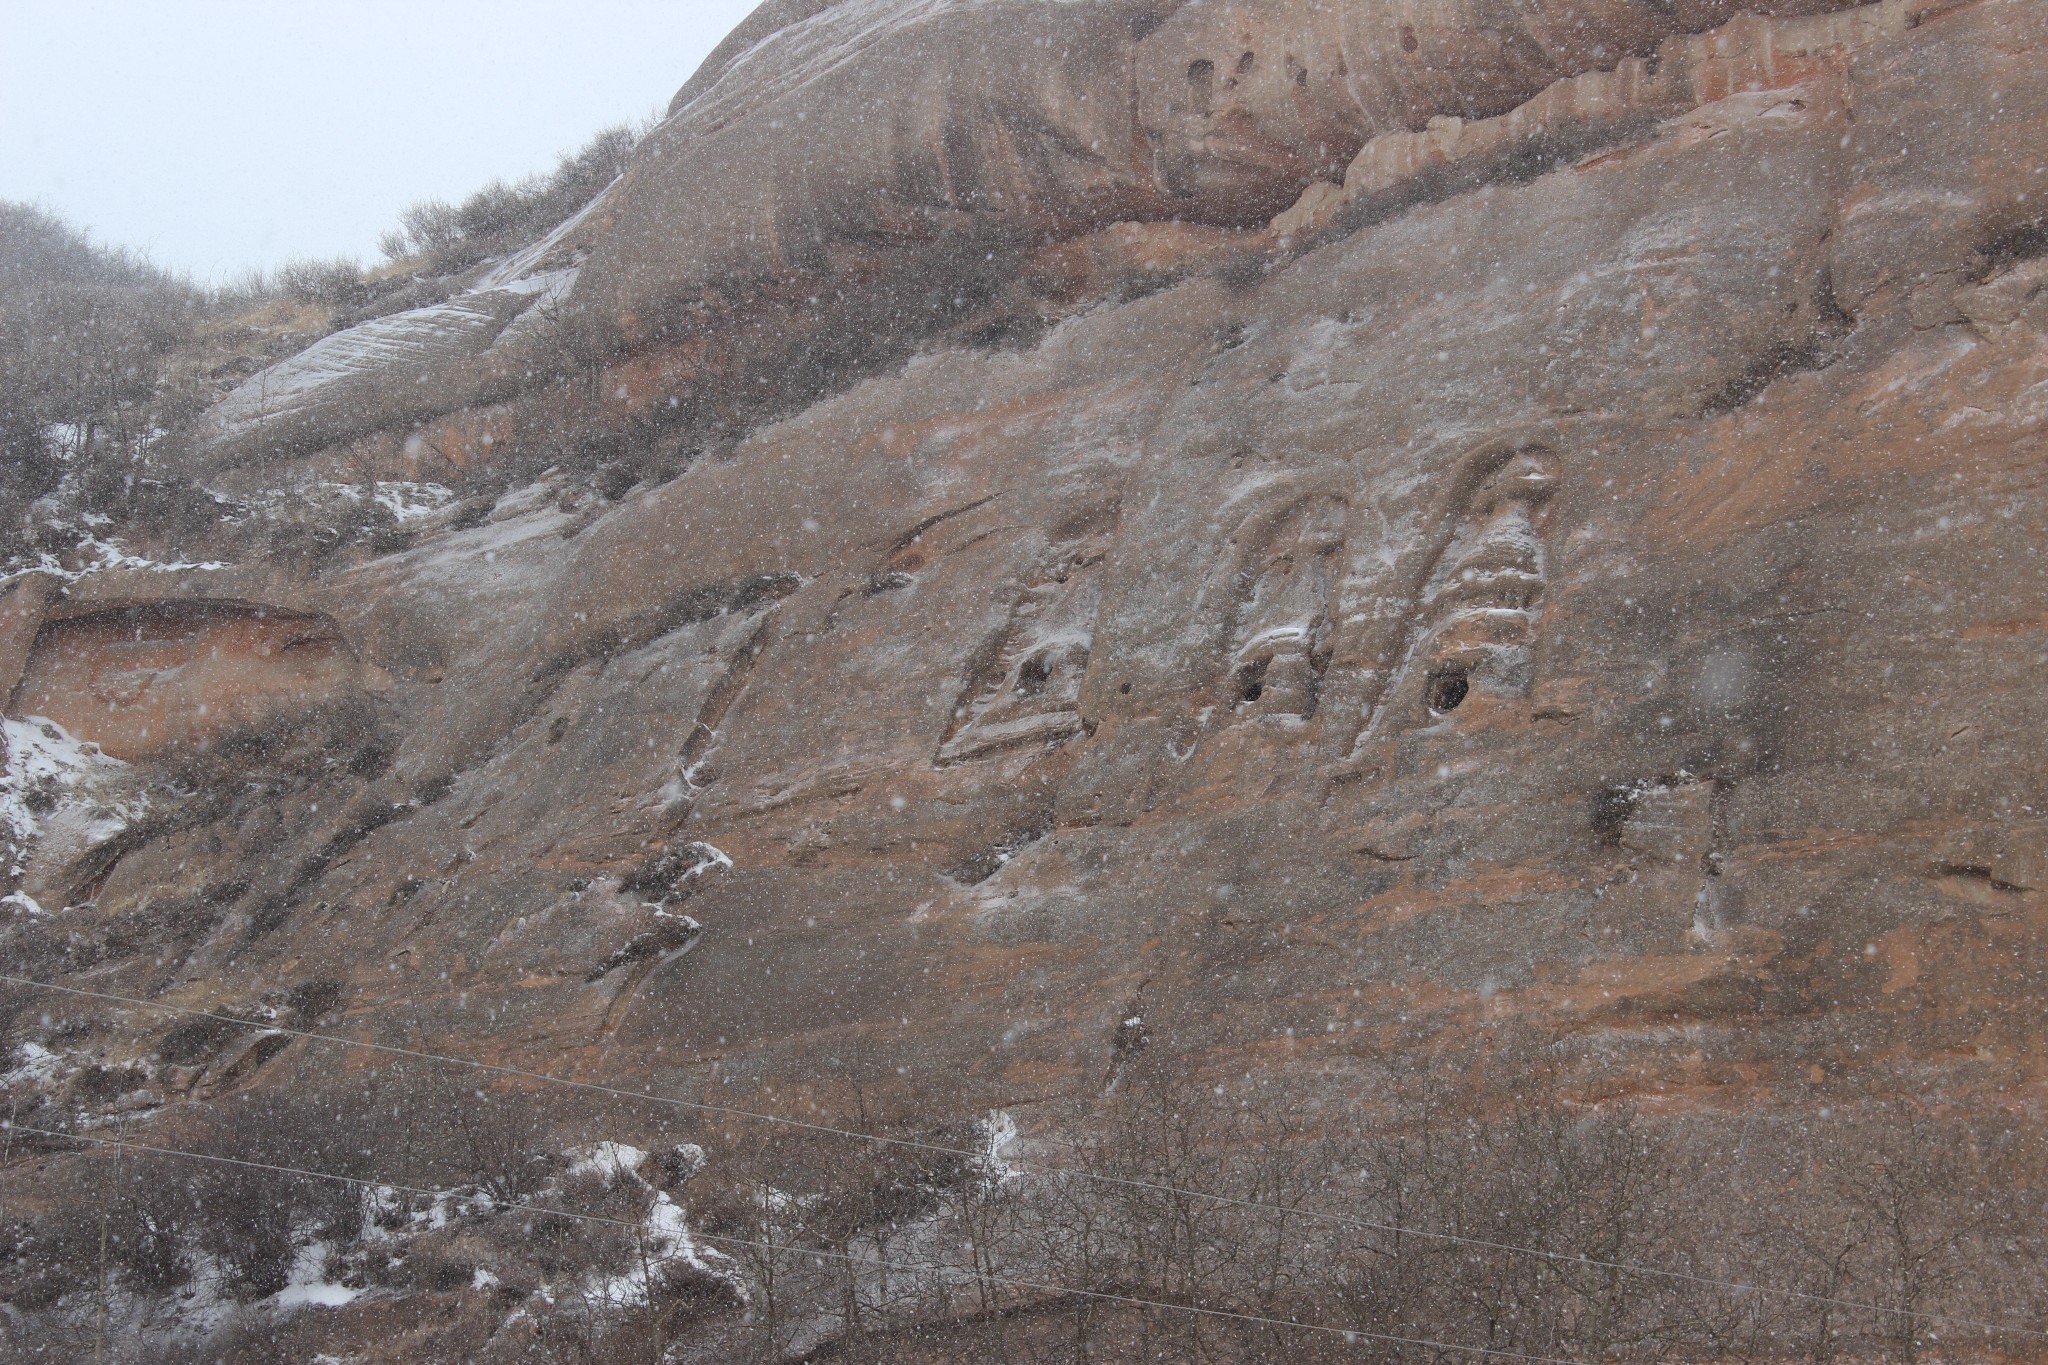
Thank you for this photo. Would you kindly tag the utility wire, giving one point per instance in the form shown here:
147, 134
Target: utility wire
1349, 1333
1316, 1215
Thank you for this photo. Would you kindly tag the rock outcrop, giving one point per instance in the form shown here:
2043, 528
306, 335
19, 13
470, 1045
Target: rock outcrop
1348, 526
148, 679
860, 178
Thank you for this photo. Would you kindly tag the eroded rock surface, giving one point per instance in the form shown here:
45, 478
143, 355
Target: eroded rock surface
1529, 523
147, 679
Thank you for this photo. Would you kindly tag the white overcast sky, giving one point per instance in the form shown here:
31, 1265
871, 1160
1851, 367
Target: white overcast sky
216, 135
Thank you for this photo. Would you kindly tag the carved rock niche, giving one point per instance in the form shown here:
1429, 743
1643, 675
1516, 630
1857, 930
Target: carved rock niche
1481, 606
1280, 643
1028, 688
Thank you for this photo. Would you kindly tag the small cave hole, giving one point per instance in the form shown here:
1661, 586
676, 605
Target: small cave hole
1123, 689
1408, 42
559, 728
1251, 681
1445, 690
1246, 63
1032, 675
1202, 84
1612, 807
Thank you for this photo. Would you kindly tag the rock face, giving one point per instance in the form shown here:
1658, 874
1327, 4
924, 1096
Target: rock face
148, 679
1328, 528
825, 197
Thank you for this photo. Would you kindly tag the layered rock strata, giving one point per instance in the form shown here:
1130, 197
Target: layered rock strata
1493, 519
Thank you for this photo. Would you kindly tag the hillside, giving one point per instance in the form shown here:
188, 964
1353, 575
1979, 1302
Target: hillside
1366, 675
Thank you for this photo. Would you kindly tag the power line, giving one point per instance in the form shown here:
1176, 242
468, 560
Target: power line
1349, 1333
1337, 1219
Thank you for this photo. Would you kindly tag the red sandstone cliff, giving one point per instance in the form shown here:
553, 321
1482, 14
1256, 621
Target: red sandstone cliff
1338, 532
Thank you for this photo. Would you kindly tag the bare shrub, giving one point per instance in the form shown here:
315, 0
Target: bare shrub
336, 284
504, 216
85, 334
1483, 1201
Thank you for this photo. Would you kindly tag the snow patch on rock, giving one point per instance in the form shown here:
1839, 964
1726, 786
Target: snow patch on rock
408, 501
59, 792
93, 555
361, 352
